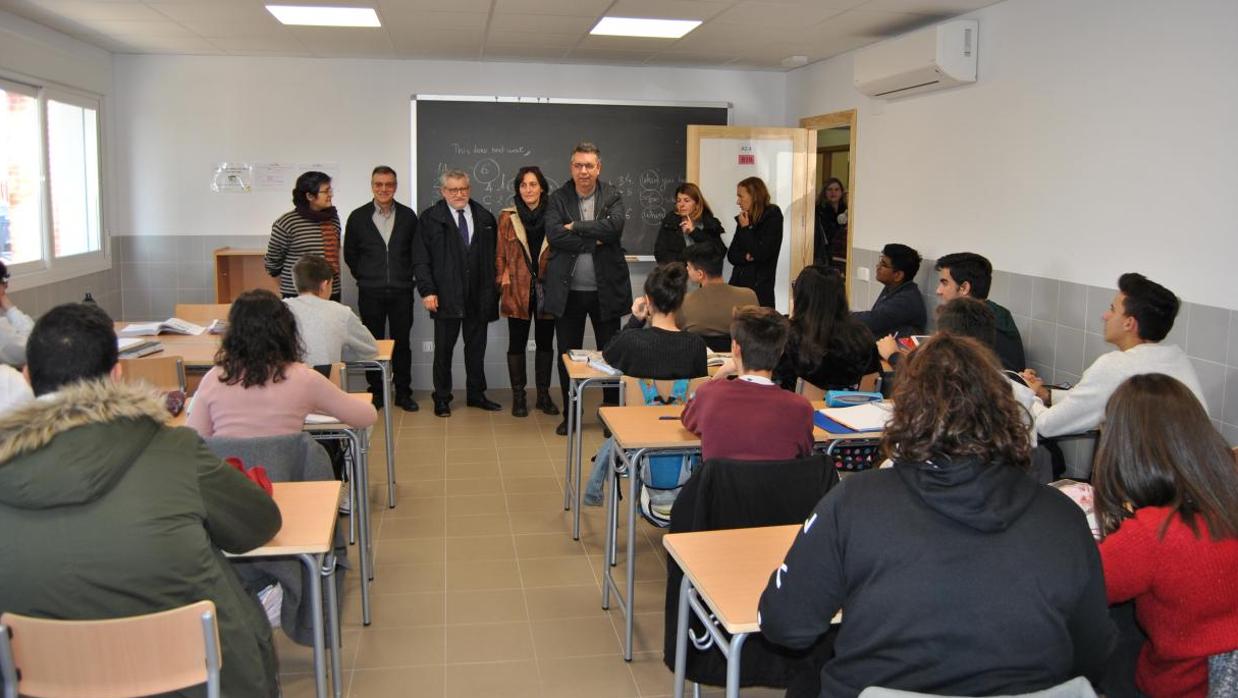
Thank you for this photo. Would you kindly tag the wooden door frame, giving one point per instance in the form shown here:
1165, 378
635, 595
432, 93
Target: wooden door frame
846, 117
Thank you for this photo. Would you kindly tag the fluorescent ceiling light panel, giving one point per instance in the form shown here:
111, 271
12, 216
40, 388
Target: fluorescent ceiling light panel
647, 28
319, 16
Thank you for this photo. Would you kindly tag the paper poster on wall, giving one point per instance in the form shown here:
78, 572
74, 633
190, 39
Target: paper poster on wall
747, 156
275, 176
331, 169
232, 178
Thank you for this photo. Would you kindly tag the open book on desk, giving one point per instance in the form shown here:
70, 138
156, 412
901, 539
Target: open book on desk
716, 358
170, 326
871, 416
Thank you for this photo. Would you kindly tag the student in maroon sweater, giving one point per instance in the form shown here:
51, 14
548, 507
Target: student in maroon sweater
1166, 496
750, 417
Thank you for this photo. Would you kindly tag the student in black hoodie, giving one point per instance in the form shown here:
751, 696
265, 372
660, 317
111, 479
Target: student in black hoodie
956, 573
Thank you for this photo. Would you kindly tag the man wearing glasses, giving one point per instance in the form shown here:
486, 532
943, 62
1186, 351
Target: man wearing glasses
453, 263
15, 325
588, 273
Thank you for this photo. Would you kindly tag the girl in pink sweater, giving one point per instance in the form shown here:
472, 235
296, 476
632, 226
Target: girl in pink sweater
258, 386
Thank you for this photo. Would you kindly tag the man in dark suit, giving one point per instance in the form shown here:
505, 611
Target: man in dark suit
378, 249
454, 262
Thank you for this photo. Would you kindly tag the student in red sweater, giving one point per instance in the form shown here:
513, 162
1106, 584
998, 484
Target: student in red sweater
1166, 497
749, 417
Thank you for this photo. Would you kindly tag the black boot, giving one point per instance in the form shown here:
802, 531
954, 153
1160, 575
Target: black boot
516, 369
543, 362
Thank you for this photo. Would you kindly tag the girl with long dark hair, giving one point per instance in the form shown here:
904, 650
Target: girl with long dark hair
826, 346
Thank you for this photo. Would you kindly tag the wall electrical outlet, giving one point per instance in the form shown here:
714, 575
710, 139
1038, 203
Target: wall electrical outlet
861, 273
427, 347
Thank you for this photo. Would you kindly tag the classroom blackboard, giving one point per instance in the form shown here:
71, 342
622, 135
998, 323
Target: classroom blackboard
643, 150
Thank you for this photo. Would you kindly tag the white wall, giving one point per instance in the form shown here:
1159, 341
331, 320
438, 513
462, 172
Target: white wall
1100, 138
32, 50
179, 115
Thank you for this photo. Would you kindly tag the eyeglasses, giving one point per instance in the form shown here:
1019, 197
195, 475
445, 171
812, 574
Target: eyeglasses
327, 192
584, 165
456, 190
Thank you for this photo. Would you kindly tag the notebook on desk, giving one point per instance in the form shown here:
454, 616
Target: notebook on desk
169, 326
869, 417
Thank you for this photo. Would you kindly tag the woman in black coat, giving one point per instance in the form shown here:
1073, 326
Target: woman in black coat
691, 222
830, 226
758, 239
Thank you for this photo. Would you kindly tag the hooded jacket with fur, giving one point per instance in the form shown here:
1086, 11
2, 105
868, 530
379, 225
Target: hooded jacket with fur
954, 578
105, 512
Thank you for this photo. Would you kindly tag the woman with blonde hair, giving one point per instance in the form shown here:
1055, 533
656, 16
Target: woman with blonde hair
690, 222
758, 240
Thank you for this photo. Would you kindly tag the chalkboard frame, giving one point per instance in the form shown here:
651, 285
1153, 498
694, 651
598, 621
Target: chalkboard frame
491, 99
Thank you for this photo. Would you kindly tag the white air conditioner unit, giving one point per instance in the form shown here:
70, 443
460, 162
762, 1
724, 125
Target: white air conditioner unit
928, 59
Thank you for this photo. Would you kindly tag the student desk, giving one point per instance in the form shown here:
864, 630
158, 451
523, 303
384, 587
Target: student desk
580, 375
359, 438
724, 574
198, 354
309, 510
640, 432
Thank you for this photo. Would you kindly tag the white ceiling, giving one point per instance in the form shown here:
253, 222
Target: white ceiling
752, 34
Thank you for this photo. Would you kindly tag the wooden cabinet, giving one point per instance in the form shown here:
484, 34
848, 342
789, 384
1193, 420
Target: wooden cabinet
237, 271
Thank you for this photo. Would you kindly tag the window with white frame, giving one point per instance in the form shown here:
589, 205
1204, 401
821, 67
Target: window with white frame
50, 217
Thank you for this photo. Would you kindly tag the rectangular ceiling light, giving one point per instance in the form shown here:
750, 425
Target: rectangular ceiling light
648, 28
318, 16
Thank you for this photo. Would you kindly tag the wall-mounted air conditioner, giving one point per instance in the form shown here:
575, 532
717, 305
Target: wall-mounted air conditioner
933, 58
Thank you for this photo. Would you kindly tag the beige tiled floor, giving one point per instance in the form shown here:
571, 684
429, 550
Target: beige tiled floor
479, 589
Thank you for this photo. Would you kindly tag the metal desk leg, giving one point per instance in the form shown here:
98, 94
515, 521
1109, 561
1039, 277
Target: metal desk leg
362, 506
385, 367
567, 469
629, 618
313, 565
681, 638
333, 617
732, 664
578, 440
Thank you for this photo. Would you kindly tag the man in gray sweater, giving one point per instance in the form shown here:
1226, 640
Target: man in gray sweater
330, 331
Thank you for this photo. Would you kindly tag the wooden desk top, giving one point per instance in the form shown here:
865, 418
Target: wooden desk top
730, 568
640, 426
309, 510
199, 351
580, 370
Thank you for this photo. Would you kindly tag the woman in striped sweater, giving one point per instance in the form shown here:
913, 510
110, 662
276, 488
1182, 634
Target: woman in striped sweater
312, 227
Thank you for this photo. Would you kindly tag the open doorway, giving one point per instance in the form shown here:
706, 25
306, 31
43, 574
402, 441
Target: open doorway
833, 178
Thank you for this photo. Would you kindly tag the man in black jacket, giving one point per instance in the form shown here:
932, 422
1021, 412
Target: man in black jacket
587, 273
378, 249
453, 261
899, 310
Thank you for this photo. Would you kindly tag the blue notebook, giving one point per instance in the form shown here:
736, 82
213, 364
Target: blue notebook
829, 425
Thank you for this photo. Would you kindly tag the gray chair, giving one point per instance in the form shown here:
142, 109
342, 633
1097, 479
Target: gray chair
1077, 687
1223, 674
289, 458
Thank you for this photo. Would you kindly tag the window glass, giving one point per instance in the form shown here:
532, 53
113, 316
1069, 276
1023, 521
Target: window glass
73, 171
21, 188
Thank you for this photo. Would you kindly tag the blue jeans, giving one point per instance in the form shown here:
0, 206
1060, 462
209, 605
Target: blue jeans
601, 469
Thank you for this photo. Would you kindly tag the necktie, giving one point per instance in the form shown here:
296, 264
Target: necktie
463, 225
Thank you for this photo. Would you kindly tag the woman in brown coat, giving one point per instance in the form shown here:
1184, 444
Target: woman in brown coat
522, 240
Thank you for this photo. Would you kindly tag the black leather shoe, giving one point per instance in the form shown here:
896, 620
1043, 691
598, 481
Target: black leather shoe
484, 403
561, 430
407, 403
442, 409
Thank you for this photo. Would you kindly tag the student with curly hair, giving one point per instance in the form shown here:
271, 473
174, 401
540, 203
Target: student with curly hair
960, 575
258, 386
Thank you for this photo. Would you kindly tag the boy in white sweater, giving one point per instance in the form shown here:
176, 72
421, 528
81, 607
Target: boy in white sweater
1141, 315
330, 331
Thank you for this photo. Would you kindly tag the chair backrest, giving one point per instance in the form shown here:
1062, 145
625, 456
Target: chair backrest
632, 388
810, 392
163, 372
332, 372
286, 458
202, 313
116, 658
1077, 687
739, 494
1223, 675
